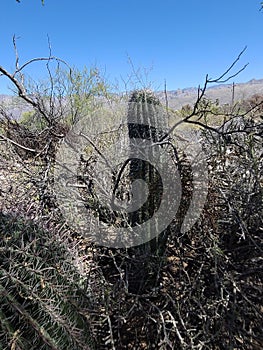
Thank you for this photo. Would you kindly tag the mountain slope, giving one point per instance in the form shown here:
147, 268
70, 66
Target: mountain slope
222, 92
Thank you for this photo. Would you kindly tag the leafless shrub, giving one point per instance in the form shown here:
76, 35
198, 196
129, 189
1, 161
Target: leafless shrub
208, 282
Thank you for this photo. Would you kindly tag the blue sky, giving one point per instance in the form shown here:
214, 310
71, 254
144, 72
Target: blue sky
177, 41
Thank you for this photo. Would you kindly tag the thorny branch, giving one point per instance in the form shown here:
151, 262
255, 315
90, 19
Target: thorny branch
19, 82
200, 96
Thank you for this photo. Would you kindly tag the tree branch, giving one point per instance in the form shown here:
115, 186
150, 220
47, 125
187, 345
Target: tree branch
201, 92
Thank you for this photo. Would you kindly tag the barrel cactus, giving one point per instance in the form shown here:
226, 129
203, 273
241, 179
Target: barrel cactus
43, 305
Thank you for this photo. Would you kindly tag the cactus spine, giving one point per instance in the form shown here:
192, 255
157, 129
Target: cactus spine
42, 302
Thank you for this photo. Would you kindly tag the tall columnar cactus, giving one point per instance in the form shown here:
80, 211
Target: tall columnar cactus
42, 304
146, 122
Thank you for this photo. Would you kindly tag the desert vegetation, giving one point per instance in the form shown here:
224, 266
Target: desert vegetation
194, 288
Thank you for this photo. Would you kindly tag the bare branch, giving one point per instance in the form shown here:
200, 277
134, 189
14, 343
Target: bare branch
18, 144
38, 59
219, 80
16, 53
200, 94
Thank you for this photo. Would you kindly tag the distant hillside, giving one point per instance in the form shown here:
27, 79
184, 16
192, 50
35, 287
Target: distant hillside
14, 105
222, 92
176, 98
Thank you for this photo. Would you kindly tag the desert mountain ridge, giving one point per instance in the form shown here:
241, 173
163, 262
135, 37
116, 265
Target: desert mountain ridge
180, 97
222, 92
